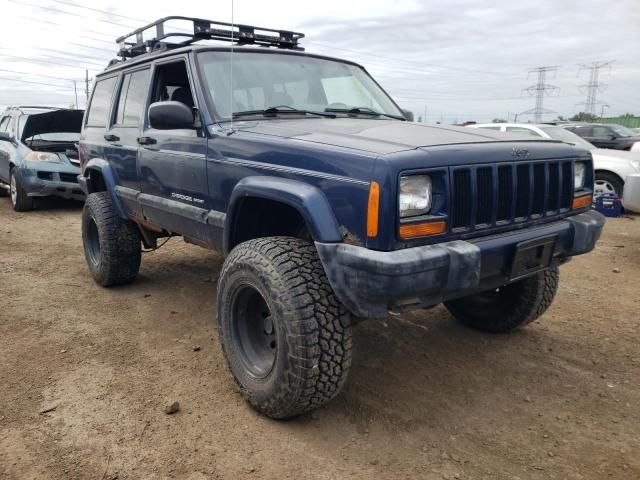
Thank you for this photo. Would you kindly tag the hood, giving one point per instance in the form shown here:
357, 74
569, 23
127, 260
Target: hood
610, 154
375, 136
54, 121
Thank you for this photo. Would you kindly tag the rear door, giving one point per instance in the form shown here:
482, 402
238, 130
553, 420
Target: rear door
172, 163
121, 137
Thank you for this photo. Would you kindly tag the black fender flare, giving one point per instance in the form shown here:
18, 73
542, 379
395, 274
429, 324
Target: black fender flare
102, 166
309, 201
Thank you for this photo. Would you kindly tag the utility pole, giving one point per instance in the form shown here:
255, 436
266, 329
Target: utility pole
75, 91
604, 105
594, 86
424, 119
86, 85
539, 90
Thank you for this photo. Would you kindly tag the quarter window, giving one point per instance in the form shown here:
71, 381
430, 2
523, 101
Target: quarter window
100, 102
132, 98
4, 124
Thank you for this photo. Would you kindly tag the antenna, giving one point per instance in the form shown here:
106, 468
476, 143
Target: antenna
231, 73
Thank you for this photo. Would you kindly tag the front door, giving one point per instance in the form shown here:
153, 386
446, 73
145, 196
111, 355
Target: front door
172, 163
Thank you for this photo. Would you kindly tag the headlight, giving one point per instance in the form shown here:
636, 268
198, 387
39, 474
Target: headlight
42, 157
415, 195
579, 171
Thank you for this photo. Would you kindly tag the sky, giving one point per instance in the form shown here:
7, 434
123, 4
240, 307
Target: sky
456, 60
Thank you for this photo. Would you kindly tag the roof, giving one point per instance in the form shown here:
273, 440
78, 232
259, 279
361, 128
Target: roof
148, 57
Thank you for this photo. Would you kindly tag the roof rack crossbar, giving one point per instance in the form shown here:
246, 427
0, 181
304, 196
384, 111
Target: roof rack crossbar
133, 44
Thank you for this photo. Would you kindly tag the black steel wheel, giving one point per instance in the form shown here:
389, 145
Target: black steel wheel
284, 334
112, 245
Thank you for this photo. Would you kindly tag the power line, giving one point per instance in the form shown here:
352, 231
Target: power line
20, 80
540, 89
594, 86
46, 62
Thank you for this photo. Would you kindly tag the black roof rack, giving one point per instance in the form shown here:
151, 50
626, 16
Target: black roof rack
133, 44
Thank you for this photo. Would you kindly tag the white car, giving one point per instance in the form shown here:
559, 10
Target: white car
612, 167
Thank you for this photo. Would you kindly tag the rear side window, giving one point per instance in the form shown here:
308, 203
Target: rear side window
522, 130
132, 98
100, 103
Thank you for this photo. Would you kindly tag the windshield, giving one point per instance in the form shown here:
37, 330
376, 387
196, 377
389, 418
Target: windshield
623, 131
565, 135
266, 80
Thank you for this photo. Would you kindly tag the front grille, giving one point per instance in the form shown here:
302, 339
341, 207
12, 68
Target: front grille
69, 177
490, 195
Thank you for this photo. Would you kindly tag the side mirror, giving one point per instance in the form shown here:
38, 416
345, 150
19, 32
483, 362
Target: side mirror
408, 115
6, 137
613, 137
170, 115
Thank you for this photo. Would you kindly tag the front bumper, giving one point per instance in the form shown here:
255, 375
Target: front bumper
372, 283
631, 194
39, 183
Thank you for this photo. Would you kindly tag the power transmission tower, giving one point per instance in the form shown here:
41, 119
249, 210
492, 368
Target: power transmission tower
594, 86
539, 90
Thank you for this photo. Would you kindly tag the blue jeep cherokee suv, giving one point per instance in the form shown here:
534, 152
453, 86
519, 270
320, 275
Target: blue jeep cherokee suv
327, 203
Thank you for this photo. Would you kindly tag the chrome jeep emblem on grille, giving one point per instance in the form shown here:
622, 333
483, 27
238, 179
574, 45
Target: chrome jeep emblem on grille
519, 152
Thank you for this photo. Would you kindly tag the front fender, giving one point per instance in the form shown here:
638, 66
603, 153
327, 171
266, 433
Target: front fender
102, 166
309, 201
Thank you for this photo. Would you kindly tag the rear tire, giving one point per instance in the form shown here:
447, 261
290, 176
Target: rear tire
285, 335
509, 307
111, 244
20, 201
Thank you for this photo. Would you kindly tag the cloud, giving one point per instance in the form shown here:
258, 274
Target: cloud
462, 59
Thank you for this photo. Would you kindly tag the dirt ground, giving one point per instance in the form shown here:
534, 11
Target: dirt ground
426, 399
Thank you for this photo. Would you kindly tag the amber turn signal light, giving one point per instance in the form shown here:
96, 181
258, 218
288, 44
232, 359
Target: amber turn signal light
373, 210
581, 202
415, 230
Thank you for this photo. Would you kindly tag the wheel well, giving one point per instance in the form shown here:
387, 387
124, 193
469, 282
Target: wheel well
609, 172
259, 217
95, 182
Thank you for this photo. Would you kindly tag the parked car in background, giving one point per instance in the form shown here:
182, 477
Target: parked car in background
610, 136
612, 167
38, 154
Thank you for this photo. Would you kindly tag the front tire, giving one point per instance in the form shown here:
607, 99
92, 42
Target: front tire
111, 244
20, 201
509, 307
285, 335
607, 182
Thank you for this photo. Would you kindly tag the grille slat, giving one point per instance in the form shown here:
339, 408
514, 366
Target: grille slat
461, 198
484, 182
505, 192
484, 196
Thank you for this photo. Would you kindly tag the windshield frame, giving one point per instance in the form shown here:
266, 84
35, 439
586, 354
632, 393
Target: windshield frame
217, 118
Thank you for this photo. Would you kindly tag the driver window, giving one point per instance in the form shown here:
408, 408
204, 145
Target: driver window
602, 132
171, 82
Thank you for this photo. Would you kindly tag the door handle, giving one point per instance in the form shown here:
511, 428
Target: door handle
147, 141
111, 138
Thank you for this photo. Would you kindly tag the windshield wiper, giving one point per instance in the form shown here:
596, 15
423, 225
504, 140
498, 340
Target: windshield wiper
364, 111
280, 109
